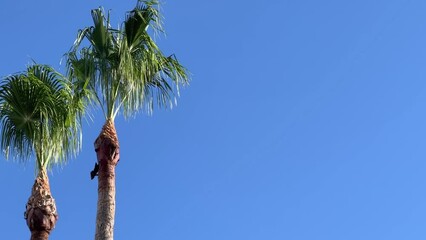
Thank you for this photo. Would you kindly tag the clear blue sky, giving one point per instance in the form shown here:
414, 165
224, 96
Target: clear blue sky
305, 120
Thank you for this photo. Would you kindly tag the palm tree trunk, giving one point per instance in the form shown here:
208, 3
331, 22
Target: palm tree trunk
107, 153
40, 211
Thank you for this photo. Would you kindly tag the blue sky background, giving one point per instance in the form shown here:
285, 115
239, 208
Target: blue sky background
305, 120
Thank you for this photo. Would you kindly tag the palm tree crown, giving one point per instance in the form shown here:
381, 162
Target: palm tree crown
123, 69
37, 116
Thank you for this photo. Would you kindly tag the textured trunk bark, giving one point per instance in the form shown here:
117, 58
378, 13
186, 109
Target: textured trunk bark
39, 235
108, 155
40, 211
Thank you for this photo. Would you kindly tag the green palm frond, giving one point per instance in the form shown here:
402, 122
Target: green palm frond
39, 115
124, 69
138, 20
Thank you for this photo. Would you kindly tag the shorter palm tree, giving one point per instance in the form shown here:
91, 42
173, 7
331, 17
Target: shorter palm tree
38, 117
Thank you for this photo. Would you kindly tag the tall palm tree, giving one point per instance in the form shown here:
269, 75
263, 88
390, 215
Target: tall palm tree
124, 72
38, 119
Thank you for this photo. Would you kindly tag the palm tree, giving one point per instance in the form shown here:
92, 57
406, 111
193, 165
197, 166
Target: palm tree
124, 72
38, 119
